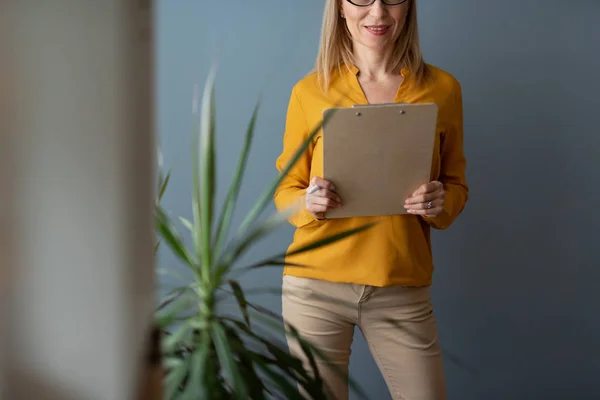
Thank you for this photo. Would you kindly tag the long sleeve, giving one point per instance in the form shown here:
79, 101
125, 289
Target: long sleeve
453, 165
293, 186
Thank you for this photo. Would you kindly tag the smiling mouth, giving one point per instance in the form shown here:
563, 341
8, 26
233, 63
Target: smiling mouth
378, 30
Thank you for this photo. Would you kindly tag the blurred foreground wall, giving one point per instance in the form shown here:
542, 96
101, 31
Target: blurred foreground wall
76, 196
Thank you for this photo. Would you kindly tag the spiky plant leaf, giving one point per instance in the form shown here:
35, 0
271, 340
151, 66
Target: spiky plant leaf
283, 383
209, 356
187, 224
182, 334
267, 196
274, 260
237, 248
195, 385
207, 170
256, 388
167, 314
174, 380
196, 212
171, 297
241, 299
271, 320
276, 263
163, 185
224, 352
169, 233
236, 184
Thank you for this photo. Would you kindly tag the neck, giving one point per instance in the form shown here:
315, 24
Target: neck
373, 65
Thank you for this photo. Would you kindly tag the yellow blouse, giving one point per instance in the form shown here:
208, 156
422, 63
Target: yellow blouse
397, 249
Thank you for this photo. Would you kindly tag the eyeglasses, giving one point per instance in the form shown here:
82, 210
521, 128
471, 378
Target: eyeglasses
365, 3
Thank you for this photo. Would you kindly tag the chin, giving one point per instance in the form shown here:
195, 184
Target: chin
378, 44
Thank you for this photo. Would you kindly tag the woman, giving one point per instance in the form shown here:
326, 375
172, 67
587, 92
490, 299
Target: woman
380, 278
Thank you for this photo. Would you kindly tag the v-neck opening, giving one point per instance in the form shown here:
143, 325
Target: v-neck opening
354, 71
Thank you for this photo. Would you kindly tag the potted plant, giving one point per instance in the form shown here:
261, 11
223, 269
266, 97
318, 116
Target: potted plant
207, 354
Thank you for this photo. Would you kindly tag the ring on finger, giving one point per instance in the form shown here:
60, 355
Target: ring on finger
429, 205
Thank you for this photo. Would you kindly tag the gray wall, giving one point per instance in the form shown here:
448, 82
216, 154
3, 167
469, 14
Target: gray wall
515, 278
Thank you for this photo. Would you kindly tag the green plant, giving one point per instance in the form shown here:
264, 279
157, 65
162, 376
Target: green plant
206, 354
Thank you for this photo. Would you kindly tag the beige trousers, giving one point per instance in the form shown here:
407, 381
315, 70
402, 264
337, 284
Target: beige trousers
397, 322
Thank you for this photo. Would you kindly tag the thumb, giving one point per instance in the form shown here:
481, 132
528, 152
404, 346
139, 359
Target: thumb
420, 190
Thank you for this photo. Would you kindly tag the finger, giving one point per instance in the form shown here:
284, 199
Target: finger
328, 194
318, 209
320, 200
439, 202
427, 212
325, 184
426, 197
324, 201
428, 188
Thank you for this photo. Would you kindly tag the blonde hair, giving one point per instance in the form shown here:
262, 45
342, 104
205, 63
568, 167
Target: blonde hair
335, 49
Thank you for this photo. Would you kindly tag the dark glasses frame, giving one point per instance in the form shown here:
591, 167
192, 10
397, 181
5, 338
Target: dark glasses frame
373, 1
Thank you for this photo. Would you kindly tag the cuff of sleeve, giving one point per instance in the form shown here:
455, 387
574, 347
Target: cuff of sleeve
440, 222
305, 217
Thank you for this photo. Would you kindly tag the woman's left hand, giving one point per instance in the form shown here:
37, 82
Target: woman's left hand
428, 200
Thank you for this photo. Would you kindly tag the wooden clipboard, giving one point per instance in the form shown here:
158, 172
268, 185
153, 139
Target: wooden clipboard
378, 155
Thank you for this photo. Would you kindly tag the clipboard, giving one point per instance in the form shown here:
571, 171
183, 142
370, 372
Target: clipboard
378, 155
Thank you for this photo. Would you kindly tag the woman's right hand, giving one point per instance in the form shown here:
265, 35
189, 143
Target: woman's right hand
322, 199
